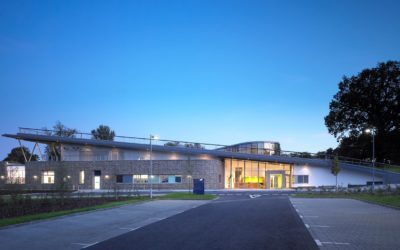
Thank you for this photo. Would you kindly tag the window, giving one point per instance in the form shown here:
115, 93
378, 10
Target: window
125, 179
155, 179
16, 174
170, 179
300, 179
140, 179
47, 177
82, 177
219, 178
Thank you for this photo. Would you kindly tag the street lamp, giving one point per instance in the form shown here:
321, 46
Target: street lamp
152, 137
372, 132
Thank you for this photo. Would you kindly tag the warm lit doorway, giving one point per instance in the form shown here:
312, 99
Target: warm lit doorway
275, 181
97, 178
97, 182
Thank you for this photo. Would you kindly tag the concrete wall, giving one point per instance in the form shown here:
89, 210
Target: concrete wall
210, 170
322, 176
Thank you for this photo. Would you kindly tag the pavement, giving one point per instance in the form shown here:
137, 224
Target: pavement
82, 230
236, 220
349, 224
247, 221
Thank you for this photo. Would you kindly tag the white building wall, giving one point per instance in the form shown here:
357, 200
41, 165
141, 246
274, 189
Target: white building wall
322, 176
89, 153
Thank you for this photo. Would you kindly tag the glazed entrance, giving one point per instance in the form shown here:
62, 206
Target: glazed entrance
257, 174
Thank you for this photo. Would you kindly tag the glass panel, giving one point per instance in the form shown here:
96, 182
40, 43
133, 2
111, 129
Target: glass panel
239, 175
82, 177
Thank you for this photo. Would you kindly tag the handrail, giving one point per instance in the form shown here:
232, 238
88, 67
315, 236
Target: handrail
213, 146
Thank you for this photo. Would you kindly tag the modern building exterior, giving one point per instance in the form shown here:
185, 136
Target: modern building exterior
83, 163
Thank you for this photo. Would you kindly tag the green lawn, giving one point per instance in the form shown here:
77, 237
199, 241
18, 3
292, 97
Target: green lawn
42, 216
395, 169
187, 196
382, 199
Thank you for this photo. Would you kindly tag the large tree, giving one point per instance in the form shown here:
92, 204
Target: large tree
53, 151
103, 132
370, 99
16, 155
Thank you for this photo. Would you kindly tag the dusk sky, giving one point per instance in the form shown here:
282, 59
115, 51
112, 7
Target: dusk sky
210, 71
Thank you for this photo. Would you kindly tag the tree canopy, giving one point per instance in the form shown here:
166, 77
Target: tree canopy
54, 151
103, 132
370, 99
16, 155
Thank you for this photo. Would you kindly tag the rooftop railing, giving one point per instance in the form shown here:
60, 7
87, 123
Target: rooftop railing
211, 146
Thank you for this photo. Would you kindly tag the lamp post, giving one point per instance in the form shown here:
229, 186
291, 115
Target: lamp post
372, 132
152, 137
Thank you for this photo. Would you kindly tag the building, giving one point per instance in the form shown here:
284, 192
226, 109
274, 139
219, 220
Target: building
80, 162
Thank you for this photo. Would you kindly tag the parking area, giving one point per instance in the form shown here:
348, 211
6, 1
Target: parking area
83, 230
349, 224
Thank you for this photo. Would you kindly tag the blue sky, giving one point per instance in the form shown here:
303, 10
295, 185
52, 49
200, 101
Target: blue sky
210, 71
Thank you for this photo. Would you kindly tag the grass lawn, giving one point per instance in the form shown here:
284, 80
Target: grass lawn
187, 196
382, 199
42, 216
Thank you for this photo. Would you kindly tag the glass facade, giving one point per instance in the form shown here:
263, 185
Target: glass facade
258, 147
256, 174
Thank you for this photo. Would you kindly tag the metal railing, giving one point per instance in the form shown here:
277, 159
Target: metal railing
212, 146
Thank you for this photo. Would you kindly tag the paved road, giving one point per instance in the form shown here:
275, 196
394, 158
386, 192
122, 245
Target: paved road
81, 230
231, 222
350, 224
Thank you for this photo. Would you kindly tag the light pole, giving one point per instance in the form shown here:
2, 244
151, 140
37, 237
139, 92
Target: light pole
152, 137
372, 132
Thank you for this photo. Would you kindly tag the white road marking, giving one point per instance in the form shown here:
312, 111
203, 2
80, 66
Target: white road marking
297, 210
311, 216
318, 226
307, 226
318, 242
130, 229
252, 196
335, 243
301, 216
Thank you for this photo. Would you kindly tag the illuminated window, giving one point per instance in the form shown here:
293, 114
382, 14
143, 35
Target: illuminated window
140, 179
16, 174
47, 177
82, 177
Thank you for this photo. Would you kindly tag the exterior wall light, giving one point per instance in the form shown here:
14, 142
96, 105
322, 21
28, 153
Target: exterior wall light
107, 176
35, 177
2, 177
69, 177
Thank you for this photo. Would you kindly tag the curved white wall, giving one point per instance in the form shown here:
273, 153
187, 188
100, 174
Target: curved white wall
320, 176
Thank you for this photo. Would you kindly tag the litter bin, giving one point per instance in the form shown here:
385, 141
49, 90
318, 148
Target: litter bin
198, 186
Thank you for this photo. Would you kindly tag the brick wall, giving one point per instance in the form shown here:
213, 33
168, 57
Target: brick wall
68, 173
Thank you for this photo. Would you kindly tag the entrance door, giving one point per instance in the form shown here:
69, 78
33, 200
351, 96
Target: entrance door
275, 181
97, 182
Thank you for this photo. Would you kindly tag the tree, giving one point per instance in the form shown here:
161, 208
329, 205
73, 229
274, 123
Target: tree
103, 132
53, 151
194, 145
370, 99
16, 155
335, 169
172, 143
